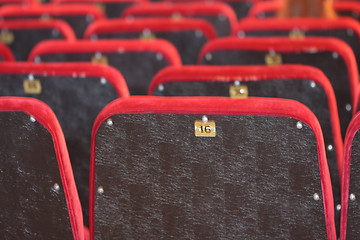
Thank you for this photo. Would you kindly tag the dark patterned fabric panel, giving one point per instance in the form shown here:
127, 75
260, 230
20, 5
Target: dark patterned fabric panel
188, 43
76, 102
33, 207
251, 181
138, 68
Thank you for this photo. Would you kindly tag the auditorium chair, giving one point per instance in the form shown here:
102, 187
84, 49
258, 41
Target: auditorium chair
76, 93
332, 56
209, 168
220, 15
187, 35
137, 60
22, 35
111, 8
77, 16
346, 29
39, 197
350, 187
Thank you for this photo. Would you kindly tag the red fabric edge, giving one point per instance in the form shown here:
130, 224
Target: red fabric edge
53, 10
220, 105
46, 117
60, 25
193, 9
353, 128
69, 69
6, 53
258, 73
99, 1
153, 24
251, 24
86, 46
285, 44
357, 100
272, 6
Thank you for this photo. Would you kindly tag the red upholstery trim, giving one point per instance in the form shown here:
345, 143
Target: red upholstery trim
211, 1
6, 53
17, 1
60, 25
218, 106
153, 24
86, 46
285, 44
69, 69
99, 1
350, 134
275, 24
186, 9
258, 73
272, 6
53, 10
357, 100
46, 117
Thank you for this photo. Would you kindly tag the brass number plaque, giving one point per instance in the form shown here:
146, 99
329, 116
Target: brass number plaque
32, 87
296, 34
203, 129
100, 60
7, 37
273, 59
238, 91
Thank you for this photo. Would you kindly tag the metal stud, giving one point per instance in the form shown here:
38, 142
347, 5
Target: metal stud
348, 107
335, 55
74, 75
146, 33
208, 57
222, 17
109, 122
350, 32
205, 119
31, 77
241, 34
338, 207
93, 37
37, 59
299, 125
198, 33
32, 119
316, 197
312, 84
237, 83
330, 147
89, 18
352, 197
100, 190
159, 56
103, 81
56, 187
161, 87
55, 33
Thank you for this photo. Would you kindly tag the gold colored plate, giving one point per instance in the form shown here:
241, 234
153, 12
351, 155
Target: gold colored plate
273, 59
7, 37
32, 87
241, 91
296, 34
100, 60
203, 129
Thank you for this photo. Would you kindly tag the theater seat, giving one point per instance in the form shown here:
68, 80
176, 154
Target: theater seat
332, 56
209, 168
111, 8
187, 35
346, 29
220, 15
77, 16
22, 35
76, 93
350, 188
39, 197
137, 60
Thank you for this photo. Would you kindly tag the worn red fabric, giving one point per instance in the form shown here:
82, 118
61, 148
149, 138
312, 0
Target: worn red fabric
220, 105
46, 117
